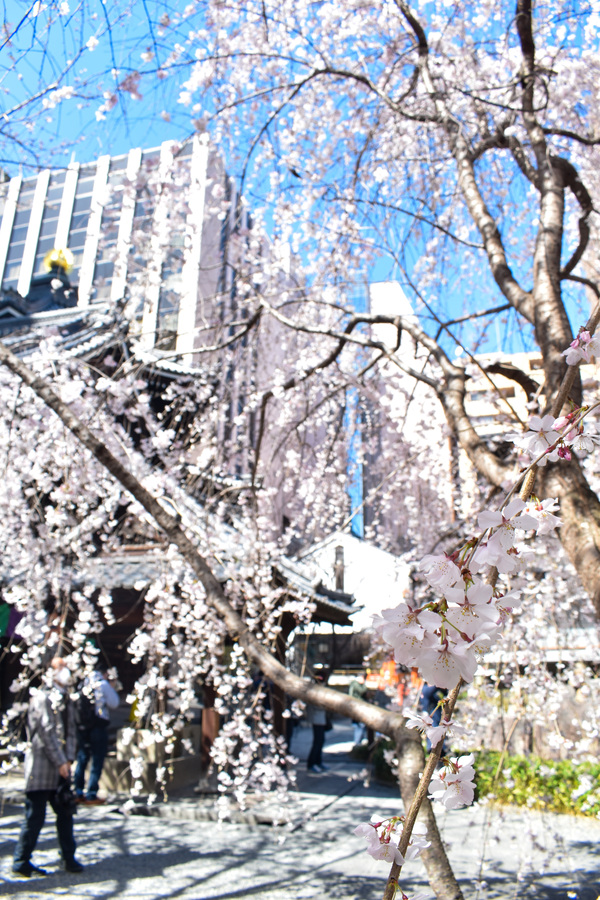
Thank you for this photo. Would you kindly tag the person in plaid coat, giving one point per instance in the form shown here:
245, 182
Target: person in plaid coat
52, 733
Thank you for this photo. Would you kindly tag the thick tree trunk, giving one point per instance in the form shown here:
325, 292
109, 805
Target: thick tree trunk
411, 762
580, 515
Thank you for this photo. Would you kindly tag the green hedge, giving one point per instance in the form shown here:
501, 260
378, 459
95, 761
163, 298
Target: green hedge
557, 786
562, 786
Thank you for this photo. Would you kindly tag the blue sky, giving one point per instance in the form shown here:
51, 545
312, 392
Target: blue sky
32, 62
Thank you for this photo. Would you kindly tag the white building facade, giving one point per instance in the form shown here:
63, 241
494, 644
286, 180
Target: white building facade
149, 227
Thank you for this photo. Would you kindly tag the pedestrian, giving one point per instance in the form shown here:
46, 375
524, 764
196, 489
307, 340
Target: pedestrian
430, 702
97, 696
358, 688
52, 735
291, 721
318, 719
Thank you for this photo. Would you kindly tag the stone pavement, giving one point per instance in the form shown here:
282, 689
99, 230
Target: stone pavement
182, 855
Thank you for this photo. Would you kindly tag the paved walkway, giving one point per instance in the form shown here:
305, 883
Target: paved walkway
497, 855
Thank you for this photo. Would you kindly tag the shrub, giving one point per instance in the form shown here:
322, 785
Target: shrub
557, 786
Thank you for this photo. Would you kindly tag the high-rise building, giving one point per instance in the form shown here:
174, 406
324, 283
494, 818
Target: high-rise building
150, 227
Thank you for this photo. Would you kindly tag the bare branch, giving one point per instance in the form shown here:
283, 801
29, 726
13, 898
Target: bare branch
513, 373
580, 138
477, 315
571, 179
480, 213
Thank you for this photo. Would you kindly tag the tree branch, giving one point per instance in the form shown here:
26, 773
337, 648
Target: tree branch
389, 723
565, 132
513, 373
571, 179
485, 222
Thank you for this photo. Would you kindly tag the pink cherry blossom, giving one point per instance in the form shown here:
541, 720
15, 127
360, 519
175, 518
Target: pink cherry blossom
383, 836
453, 785
582, 348
440, 571
543, 513
420, 895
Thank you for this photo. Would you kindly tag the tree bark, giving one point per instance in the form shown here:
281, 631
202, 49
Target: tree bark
411, 762
580, 515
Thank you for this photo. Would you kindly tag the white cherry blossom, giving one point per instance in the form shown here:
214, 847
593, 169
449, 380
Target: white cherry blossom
540, 437
504, 523
383, 836
454, 783
405, 630
424, 723
446, 662
440, 571
583, 348
543, 512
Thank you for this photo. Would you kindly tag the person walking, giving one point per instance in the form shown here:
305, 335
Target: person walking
318, 719
96, 698
358, 688
52, 734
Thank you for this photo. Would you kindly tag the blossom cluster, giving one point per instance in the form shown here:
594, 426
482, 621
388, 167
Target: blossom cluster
383, 837
550, 439
423, 722
454, 784
582, 348
444, 638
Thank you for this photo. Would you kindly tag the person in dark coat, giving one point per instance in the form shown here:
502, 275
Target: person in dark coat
317, 717
358, 688
92, 735
430, 702
52, 734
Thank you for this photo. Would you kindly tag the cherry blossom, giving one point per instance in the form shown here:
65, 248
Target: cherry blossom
503, 523
584, 443
405, 630
445, 662
477, 598
383, 837
543, 512
540, 437
421, 721
584, 347
420, 895
328, 194
434, 733
499, 548
440, 571
453, 785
